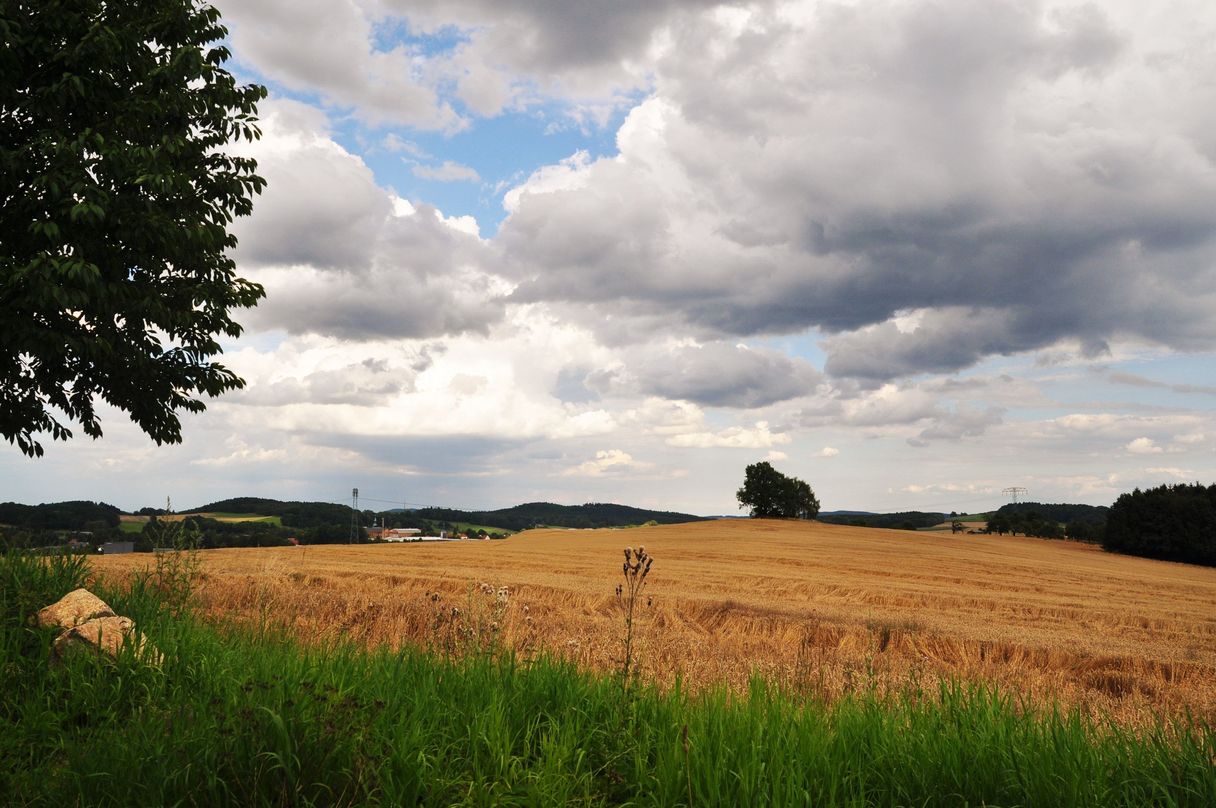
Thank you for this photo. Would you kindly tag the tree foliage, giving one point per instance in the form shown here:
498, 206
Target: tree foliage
1171, 522
772, 495
116, 196
900, 520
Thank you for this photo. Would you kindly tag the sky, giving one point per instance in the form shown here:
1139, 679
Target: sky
913, 252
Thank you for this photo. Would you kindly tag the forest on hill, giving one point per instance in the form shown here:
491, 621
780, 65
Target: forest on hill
51, 524
548, 514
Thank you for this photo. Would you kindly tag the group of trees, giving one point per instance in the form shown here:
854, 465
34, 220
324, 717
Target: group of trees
772, 495
54, 522
903, 520
1171, 522
1050, 520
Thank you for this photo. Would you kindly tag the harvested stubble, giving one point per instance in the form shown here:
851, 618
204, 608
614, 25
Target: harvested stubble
823, 608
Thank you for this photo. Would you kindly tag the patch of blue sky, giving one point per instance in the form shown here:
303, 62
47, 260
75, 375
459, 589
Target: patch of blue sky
389, 33
1174, 368
804, 346
503, 151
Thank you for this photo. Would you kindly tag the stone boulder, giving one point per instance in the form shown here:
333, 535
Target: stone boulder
87, 623
106, 634
76, 607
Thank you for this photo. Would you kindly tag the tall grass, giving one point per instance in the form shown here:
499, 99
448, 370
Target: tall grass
242, 717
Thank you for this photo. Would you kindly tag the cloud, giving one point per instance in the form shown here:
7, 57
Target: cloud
1171, 471
327, 47
343, 257
588, 52
1021, 175
736, 437
1134, 380
828, 451
776, 455
962, 423
367, 382
1143, 446
607, 461
723, 375
448, 171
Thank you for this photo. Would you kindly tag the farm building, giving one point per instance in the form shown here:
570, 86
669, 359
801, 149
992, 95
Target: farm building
115, 547
400, 534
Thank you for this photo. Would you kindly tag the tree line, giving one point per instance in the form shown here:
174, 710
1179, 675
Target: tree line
1170, 522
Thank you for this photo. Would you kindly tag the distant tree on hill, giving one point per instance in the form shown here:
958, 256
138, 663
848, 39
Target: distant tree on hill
770, 494
1172, 522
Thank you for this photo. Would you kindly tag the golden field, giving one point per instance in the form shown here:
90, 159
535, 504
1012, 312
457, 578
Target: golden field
821, 607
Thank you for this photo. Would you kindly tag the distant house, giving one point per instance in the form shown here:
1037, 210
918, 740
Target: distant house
116, 547
400, 534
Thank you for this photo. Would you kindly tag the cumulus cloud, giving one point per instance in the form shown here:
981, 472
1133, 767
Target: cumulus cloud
328, 47
962, 423
1143, 446
341, 256
1022, 174
828, 451
585, 51
368, 382
736, 437
723, 375
1171, 471
606, 462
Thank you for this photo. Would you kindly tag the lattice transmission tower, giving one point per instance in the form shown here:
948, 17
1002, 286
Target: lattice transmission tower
1014, 491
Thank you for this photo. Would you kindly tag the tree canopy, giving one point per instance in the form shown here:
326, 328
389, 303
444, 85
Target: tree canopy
1171, 522
772, 495
116, 196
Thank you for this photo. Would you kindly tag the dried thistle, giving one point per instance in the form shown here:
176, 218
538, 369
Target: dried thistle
635, 570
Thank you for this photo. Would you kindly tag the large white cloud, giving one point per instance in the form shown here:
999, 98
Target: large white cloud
328, 47
1020, 173
341, 256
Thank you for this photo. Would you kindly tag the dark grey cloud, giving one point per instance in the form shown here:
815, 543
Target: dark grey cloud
724, 375
1020, 174
545, 38
962, 423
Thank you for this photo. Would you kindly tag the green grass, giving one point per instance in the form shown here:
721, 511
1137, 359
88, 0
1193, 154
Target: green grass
248, 717
131, 527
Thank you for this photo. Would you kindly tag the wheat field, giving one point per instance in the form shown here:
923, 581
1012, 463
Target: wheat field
823, 608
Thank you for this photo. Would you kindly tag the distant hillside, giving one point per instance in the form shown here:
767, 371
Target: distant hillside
520, 517
292, 514
77, 515
534, 514
904, 520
